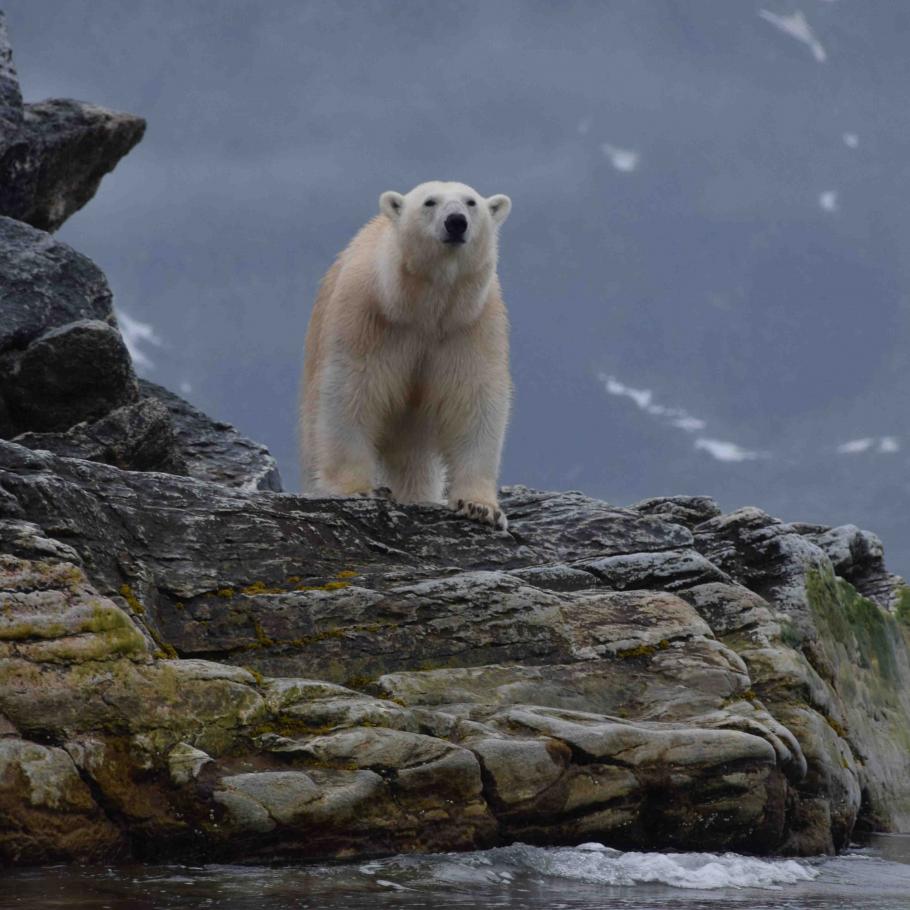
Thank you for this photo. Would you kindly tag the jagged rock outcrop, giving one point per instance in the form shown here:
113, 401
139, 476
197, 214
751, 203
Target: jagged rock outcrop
62, 360
53, 154
67, 383
277, 676
193, 666
211, 449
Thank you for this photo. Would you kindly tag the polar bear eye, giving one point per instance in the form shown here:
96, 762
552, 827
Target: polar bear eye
430, 202
471, 202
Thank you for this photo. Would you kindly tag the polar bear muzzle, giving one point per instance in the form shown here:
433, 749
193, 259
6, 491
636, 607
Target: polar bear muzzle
456, 226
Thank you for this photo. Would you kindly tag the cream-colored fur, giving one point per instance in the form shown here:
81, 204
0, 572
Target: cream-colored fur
406, 375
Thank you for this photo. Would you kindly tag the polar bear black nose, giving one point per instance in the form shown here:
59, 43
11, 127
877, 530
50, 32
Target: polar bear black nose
456, 225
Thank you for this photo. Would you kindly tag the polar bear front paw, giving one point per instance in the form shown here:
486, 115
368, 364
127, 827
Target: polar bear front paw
487, 513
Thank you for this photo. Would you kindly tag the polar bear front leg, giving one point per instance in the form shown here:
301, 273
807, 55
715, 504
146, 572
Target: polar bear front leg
346, 461
472, 441
346, 465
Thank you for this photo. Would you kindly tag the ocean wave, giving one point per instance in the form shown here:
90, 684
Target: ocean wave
596, 864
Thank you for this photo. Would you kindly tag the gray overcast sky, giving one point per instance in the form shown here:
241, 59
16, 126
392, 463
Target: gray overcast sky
705, 265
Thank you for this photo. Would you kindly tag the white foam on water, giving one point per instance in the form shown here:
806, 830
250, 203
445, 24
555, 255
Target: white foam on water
595, 863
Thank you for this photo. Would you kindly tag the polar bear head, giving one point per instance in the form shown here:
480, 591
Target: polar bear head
443, 220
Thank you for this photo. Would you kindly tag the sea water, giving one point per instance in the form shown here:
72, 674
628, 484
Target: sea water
519, 877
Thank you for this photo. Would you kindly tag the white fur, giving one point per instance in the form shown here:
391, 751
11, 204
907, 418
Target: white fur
406, 379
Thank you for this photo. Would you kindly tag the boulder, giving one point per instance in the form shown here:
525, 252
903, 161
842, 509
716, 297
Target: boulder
195, 667
135, 437
46, 285
67, 383
279, 677
54, 154
10, 96
212, 449
80, 371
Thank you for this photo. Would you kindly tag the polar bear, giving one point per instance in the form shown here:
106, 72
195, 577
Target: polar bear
406, 374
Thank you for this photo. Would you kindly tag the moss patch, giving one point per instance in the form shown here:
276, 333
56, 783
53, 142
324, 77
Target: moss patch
856, 622
260, 587
902, 610
127, 593
639, 651
790, 635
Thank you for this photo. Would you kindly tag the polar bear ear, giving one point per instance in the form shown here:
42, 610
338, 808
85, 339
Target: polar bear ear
499, 206
391, 204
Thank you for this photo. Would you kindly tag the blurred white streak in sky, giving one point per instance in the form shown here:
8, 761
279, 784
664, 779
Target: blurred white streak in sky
829, 201
725, 451
886, 445
625, 160
720, 449
136, 335
796, 26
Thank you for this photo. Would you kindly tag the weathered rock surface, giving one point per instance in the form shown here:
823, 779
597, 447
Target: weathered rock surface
198, 667
279, 676
46, 285
10, 96
77, 372
54, 154
62, 359
211, 449
135, 437
67, 384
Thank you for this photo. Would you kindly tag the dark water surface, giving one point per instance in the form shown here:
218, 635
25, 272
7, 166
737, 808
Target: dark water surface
589, 877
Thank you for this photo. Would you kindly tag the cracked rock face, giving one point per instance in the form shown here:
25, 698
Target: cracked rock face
67, 383
77, 372
54, 154
194, 666
284, 677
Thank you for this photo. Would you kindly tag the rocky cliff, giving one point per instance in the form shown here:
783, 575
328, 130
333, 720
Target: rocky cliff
195, 665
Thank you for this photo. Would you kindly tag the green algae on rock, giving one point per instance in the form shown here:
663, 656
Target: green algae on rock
511, 686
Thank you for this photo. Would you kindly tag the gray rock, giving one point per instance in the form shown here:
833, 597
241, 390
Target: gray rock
859, 557
662, 676
688, 511
7, 429
441, 687
135, 437
10, 96
522, 771
734, 613
45, 285
161, 432
47, 812
54, 154
22, 538
185, 762
671, 570
67, 383
557, 578
211, 449
62, 359
763, 554
80, 371
581, 526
